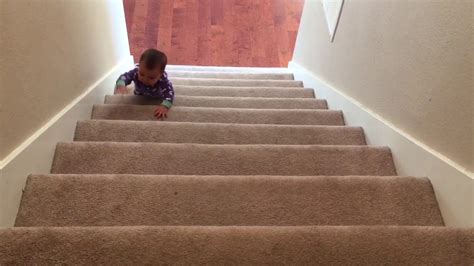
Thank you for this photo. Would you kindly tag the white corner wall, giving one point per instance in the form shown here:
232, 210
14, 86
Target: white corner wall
411, 62
332, 12
51, 52
57, 59
454, 188
403, 71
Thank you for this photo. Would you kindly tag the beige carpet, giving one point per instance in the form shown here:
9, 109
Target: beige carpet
236, 82
237, 245
223, 102
216, 133
58, 200
249, 169
229, 75
221, 115
290, 93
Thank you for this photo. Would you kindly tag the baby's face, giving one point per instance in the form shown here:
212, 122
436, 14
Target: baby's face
149, 77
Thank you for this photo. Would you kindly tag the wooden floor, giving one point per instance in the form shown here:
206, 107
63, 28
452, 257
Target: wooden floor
260, 33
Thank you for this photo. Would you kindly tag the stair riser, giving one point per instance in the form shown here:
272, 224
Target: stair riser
337, 245
236, 83
258, 70
287, 93
195, 159
222, 75
210, 133
221, 115
222, 102
220, 200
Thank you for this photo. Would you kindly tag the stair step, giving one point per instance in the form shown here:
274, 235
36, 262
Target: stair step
229, 69
228, 75
236, 82
112, 200
229, 102
221, 115
237, 245
207, 159
215, 133
269, 92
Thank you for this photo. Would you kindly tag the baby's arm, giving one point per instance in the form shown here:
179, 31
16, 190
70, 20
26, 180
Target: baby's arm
168, 93
124, 80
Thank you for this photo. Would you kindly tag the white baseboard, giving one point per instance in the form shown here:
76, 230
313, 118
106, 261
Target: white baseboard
453, 184
35, 155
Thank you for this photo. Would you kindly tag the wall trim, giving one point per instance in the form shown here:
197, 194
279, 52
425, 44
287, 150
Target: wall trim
453, 184
35, 154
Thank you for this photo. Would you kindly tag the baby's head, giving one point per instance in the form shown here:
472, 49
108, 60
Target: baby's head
152, 66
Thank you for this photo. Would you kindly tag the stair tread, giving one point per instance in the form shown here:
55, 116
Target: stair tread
216, 133
229, 75
402, 245
220, 101
110, 200
221, 115
208, 159
227, 69
272, 92
236, 82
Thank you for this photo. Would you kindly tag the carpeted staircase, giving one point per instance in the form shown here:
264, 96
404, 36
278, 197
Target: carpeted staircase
249, 169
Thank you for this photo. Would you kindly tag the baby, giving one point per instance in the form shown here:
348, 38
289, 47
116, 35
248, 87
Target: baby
150, 80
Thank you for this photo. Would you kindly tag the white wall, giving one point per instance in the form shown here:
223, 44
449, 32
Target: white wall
332, 10
50, 52
57, 59
411, 62
403, 71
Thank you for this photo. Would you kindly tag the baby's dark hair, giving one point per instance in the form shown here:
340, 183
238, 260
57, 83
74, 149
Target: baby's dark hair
153, 58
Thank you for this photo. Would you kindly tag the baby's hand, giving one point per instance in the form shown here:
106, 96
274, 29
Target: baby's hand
161, 112
121, 90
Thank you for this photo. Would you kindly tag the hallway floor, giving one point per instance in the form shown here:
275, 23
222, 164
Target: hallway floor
257, 33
